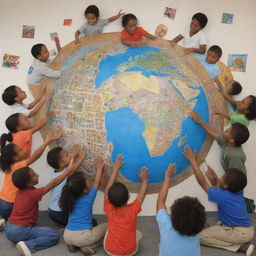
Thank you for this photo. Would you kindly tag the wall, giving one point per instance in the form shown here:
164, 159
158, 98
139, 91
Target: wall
48, 15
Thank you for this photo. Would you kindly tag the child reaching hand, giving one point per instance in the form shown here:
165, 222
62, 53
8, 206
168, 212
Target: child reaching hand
132, 35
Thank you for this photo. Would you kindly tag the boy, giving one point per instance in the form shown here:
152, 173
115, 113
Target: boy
121, 237
179, 232
232, 154
21, 226
234, 228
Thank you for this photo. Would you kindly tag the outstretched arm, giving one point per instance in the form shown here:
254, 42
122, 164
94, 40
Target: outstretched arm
143, 176
131, 43
160, 204
226, 115
176, 39
229, 98
150, 36
119, 14
42, 122
201, 49
100, 166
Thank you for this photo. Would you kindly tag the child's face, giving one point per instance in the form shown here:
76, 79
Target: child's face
243, 105
64, 159
20, 154
228, 136
33, 178
44, 54
91, 18
211, 57
24, 123
195, 26
131, 26
21, 95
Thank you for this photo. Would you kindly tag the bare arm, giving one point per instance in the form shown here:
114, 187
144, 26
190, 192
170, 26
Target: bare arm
176, 39
229, 98
200, 50
131, 43
79, 154
144, 184
150, 36
42, 122
226, 115
220, 86
119, 14
77, 36
100, 166
33, 103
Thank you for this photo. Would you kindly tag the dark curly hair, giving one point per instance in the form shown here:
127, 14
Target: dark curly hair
92, 9
188, 216
216, 49
251, 111
239, 133
36, 50
235, 180
201, 18
53, 157
236, 88
21, 177
127, 17
118, 194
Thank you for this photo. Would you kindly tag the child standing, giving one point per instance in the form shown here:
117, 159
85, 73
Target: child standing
194, 38
234, 228
94, 24
77, 200
132, 35
121, 237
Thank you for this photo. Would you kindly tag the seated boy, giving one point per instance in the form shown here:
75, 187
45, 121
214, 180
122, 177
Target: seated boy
234, 229
179, 232
121, 237
232, 154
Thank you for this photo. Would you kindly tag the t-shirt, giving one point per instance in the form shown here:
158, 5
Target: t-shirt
90, 30
9, 191
81, 216
231, 157
212, 69
237, 117
195, 41
172, 242
121, 238
136, 37
232, 210
23, 139
56, 193
25, 207
38, 70
19, 108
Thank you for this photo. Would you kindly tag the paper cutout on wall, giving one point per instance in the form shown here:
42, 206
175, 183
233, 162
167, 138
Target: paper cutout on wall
67, 22
237, 62
53, 52
28, 31
11, 61
227, 18
161, 30
55, 37
170, 12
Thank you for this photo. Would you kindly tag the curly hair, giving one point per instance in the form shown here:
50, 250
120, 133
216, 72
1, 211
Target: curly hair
201, 18
251, 111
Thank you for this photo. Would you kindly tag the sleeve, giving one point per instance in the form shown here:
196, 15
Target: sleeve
92, 194
143, 31
202, 39
46, 71
103, 22
135, 207
37, 194
216, 195
82, 28
221, 141
216, 71
163, 220
124, 35
107, 206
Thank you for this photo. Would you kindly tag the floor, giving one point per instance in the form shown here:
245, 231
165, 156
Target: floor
148, 246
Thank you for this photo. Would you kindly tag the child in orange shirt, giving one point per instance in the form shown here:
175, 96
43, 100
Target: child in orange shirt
21, 130
13, 158
132, 35
122, 238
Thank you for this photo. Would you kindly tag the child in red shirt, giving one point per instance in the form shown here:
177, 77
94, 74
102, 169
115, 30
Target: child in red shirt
121, 237
132, 35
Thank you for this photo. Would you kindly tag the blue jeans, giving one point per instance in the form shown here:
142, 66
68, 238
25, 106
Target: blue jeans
35, 238
5, 209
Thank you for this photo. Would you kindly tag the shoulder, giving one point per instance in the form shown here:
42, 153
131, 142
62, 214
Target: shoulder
141, 30
102, 21
19, 165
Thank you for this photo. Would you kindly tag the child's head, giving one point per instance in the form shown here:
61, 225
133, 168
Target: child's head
118, 194
234, 88
13, 94
58, 158
76, 186
129, 22
247, 106
92, 14
233, 180
237, 134
40, 52
25, 178
11, 154
213, 54
199, 21
188, 216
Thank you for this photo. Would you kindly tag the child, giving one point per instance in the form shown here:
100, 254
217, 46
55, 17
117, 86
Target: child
21, 226
77, 200
234, 88
14, 96
39, 67
194, 38
132, 35
94, 24
21, 130
232, 154
234, 228
121, 237
13, 158
179, 232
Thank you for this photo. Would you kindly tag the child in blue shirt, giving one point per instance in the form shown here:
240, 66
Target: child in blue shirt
234, 230
179, 232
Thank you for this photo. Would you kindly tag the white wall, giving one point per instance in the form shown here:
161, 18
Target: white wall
48, 15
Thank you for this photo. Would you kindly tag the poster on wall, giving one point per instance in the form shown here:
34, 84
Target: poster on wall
170, 13
67, 22
237, 62
11, 61
161, 30
28, 31
227, 18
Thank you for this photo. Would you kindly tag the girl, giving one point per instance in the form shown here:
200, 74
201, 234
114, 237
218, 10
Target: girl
132, 35
77, 199
13, 158
21, 130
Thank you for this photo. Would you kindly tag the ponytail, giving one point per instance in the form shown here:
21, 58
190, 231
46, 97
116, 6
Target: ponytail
4, 138
7, 157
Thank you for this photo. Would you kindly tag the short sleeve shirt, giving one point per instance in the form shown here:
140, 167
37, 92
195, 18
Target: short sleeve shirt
237, 117
122, 222
195, 41
172, 242
89, 30
136, 37
20, 108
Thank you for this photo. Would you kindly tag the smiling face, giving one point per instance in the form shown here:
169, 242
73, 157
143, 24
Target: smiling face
243, 105
195, 26
131, 26
211, 57
91, 18
44, 54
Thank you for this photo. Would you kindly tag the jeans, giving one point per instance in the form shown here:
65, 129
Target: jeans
5, 209
35, 238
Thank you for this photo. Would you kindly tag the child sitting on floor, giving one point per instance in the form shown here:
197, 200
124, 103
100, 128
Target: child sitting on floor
132, 35
179, 231
194, 39
94, 24
122, 238
234, 229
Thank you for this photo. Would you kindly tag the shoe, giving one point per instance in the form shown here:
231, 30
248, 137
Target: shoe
2, 224
23, 249
72, 248
87, 251
250, 250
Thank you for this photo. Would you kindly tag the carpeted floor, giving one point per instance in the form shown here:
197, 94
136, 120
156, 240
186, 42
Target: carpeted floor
148, 245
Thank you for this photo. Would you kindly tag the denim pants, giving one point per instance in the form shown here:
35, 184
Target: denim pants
5, 209
35, 238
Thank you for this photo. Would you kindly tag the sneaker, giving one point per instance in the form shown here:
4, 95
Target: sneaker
72, 248
250, 250
2, 224
23, 249
87, 251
